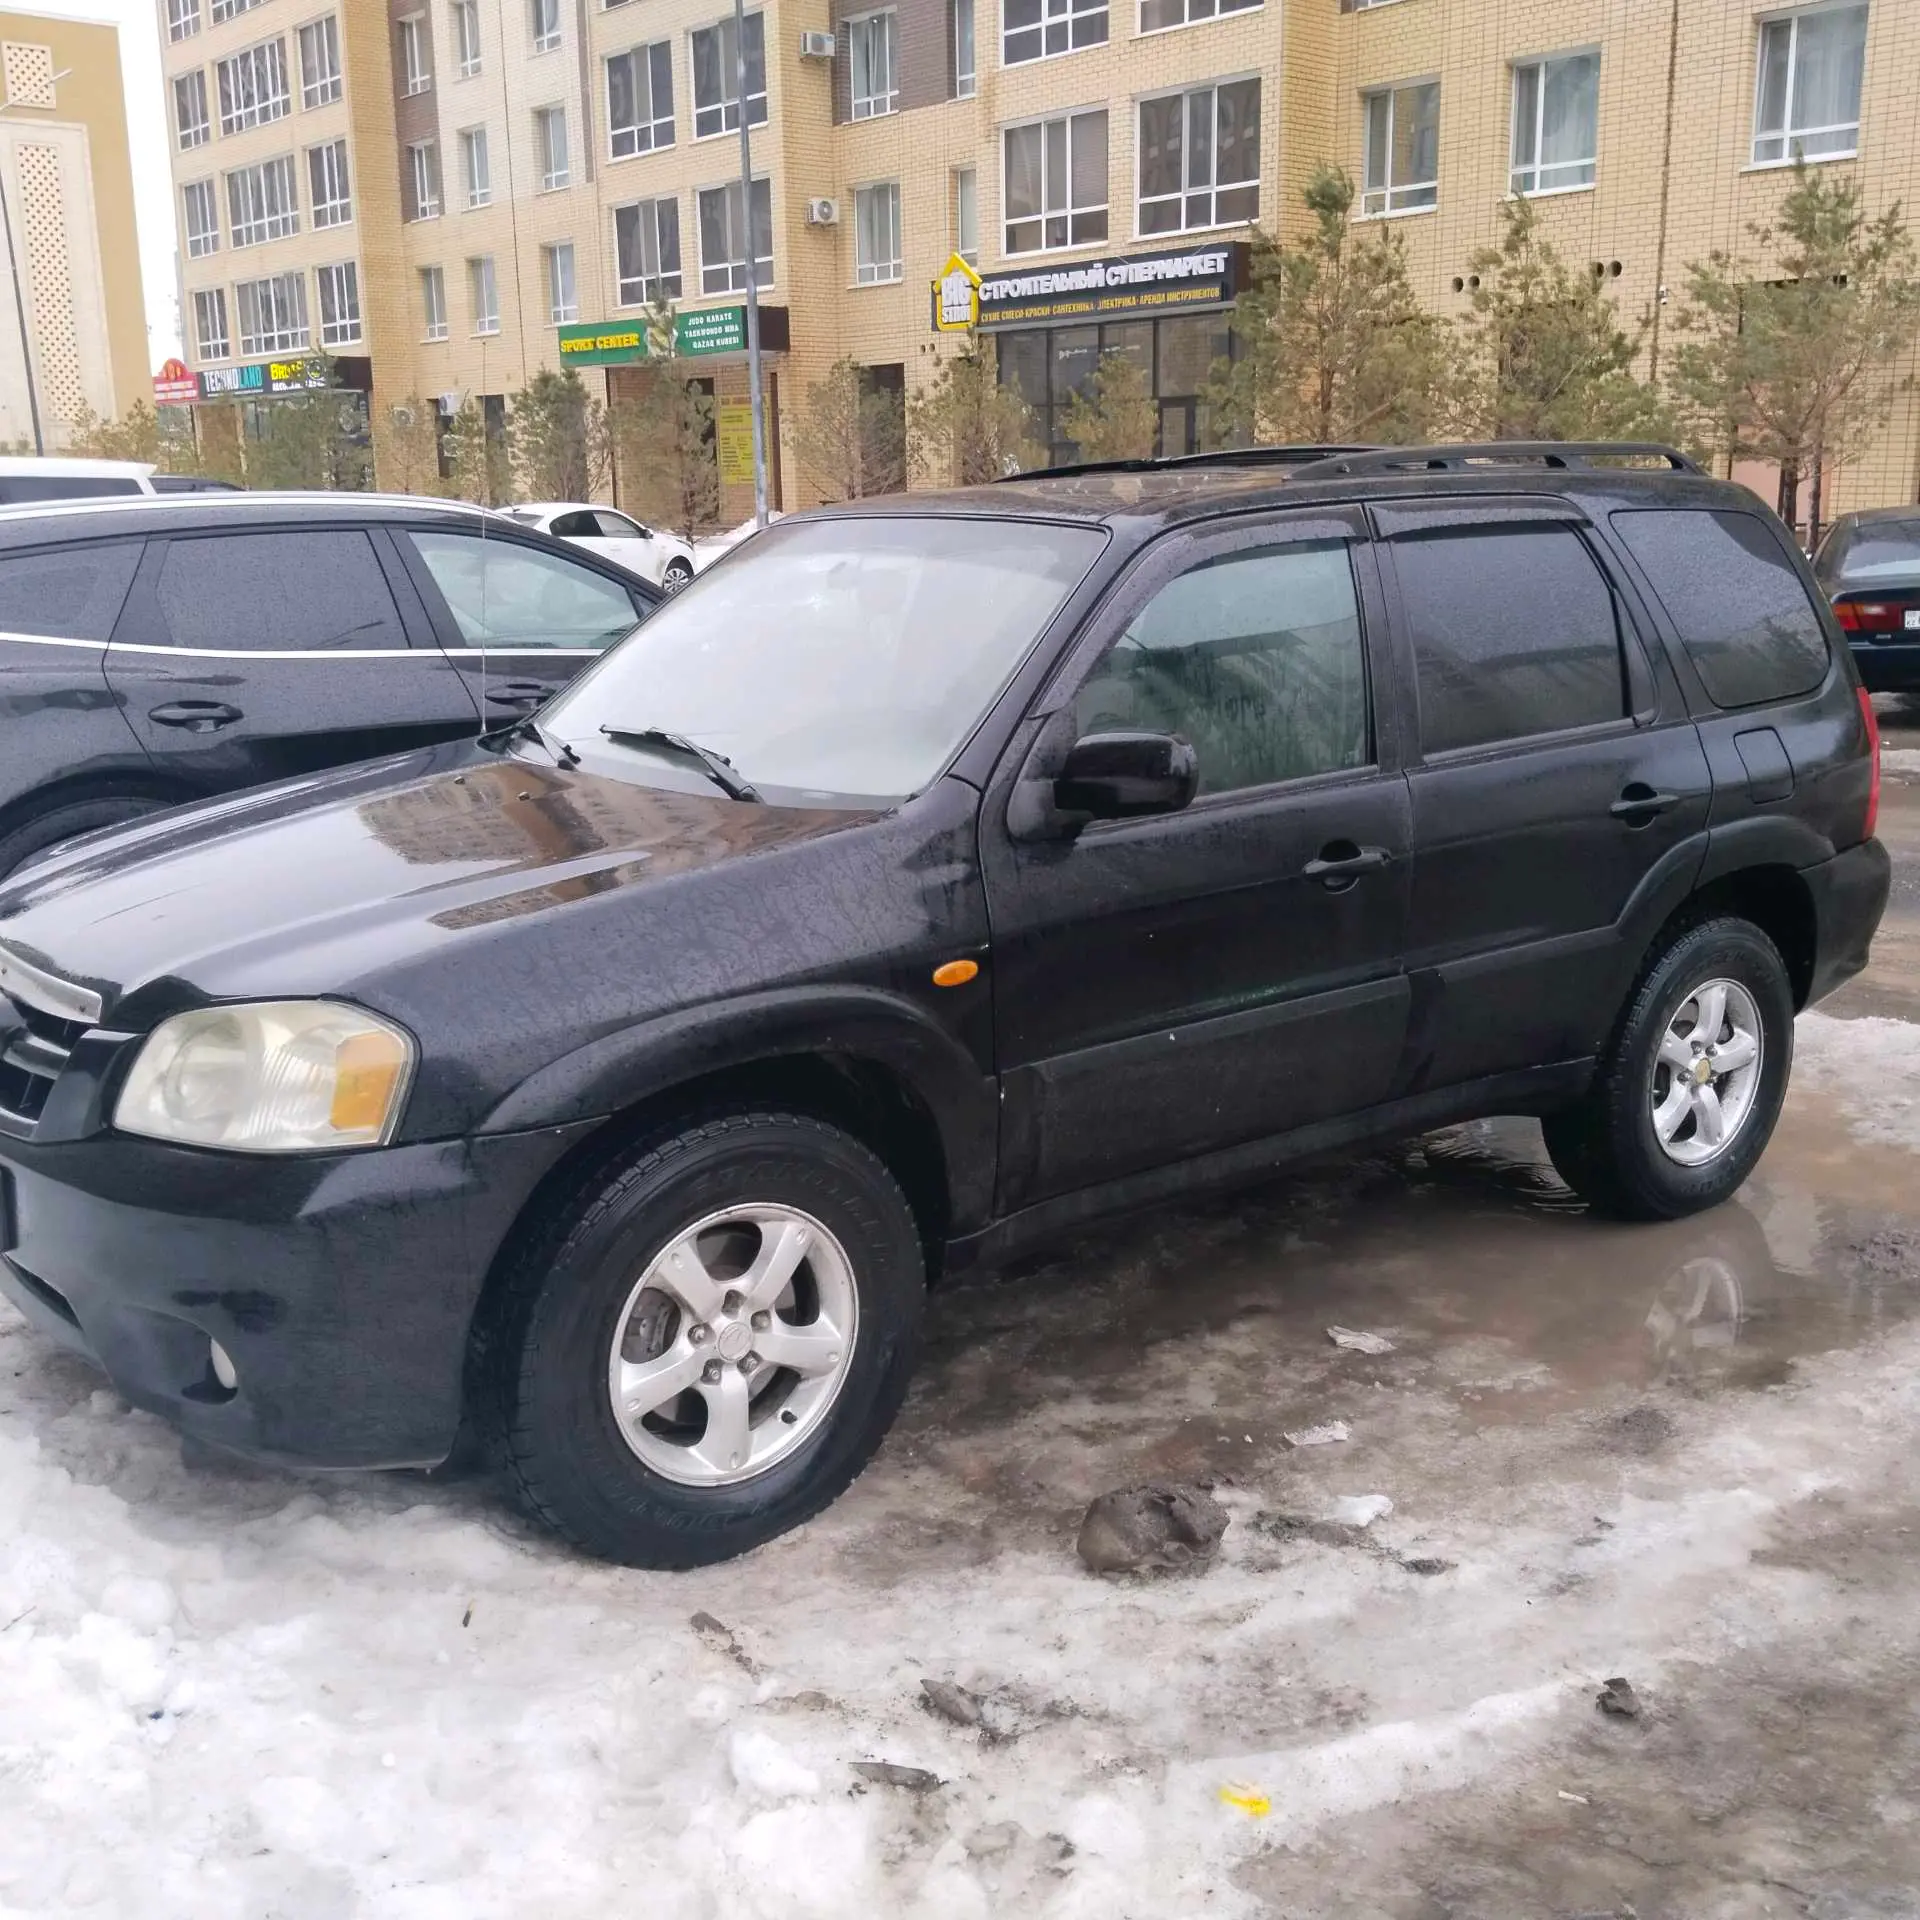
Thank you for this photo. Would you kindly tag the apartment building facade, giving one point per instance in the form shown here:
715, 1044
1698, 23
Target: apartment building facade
71, 305
520, 179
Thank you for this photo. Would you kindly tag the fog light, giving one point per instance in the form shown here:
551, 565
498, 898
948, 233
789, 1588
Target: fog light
223, 1369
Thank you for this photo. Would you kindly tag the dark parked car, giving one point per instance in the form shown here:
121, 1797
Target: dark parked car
1869, 564
154, 651
936, 875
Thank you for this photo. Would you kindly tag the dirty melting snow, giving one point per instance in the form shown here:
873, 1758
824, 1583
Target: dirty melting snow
1871, 1066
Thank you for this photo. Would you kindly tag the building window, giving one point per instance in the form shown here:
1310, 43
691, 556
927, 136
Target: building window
723, 238
1200, 158
1056, 183
646, 246
339, 304
563, 301
870, 60
416, 56
876, 234
960, 45
966, 215
253, 87
546, 24
716, 81
329, 192
1040, 29
273, 314
550, 143
210, 324
202, 209
475, 169
261, 203
423, 177
1157, 15
320, 62
232, 9
1556, 123
1807, 97
190, 110
640, 100
485, 294
466, 37
183, 19
1403, 149
433, 301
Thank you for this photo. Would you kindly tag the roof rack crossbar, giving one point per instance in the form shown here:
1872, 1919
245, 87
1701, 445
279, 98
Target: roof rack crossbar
1291, 457
1583, 455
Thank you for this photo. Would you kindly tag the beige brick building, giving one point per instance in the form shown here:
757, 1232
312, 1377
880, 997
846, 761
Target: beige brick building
514, 169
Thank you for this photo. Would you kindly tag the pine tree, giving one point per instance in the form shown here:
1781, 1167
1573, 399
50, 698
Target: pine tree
664, 442
558, 438
851, 435
1116, 417
966, 427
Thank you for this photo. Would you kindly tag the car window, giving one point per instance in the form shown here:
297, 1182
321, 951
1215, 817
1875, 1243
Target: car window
19, 489
574, 526
1514, 632
502, 593
1742, 611
306, 592
616, 526
1879, 550
70, 593
1256, 659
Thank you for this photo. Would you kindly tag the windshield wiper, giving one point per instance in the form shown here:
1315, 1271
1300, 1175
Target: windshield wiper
716, 765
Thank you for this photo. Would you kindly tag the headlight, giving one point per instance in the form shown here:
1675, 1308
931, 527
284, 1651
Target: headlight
285, 1076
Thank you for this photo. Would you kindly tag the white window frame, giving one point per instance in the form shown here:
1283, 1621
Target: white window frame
423, 175
338, 285
183, 19
468, 49
654, 133
563, 288
206, 193
255, 73
1396, 199
476, 167
328, 83
1214, 188
556, 165
263, 202
650, 286
965, 48
483, 278
433, 303
329, 167
1069, 21
957, 200
208, 344
867, 33
730, 275
416, 53
543, 24
231, 9
877, 272
196, 133
289, 331
1786, 134
1067, 210
1536, 169
717, 118
1193, 13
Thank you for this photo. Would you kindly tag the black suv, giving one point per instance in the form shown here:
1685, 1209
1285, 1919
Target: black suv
158, 651
933, 875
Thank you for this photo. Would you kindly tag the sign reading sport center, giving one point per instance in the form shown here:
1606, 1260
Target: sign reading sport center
1124, 287
696, 331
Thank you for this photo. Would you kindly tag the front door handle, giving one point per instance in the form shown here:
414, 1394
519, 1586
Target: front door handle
520, 693
196, 716
1340, 863
1639, 803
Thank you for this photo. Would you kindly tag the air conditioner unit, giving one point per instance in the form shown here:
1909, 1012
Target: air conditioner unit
823, 213
816, 46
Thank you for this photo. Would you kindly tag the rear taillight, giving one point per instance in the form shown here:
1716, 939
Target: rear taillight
1873, 754
1864, 616
1848, 615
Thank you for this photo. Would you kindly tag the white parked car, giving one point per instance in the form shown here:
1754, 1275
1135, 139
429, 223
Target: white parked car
659, 557
26, 478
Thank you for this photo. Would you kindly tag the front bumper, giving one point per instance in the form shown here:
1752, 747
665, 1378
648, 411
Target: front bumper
342, 1285
1849, 896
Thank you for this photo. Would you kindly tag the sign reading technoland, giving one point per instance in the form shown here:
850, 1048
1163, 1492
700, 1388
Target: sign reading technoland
1131, 286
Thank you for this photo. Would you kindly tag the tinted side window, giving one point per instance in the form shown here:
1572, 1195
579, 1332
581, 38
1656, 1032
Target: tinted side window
1741, 610
574, 526
277, 593
18, 489
615, 526
72, 593
503, 594
1255, 659
1514, 634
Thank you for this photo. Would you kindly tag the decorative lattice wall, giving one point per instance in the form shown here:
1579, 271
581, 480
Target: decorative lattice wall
43, 220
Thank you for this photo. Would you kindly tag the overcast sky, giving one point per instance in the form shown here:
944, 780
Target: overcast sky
152, 176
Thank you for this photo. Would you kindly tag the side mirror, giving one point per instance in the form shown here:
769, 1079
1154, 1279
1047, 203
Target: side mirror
1121, 776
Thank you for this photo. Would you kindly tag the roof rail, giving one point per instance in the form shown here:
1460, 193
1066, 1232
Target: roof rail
1291, 457
1585, 455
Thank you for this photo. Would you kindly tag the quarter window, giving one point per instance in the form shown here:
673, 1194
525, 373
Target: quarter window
1200, 158
640, 100
1056, 183
1155, 15
871, 62
190, 123
723, 238
646, 243
319, 62
330, 192
273, 314
253, 87
433, 302
201, 207
1556, 123
210, 323
308, 592
876, 234
1498, 666
73, 593
339, 304
1040, 29
1256, 659
716, 83
1403, 149
261, 203
502, 594
1807, 94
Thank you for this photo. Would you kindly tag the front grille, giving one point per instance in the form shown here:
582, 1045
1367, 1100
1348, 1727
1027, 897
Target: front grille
38, 1033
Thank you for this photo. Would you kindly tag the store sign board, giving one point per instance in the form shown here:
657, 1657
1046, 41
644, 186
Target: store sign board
1126, 287
613, 343
174, 385
956, 296
216, 383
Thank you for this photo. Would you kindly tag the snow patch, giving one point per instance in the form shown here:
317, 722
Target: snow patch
1870, 1068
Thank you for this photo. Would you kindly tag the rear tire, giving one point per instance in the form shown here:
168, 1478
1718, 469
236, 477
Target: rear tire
621, 1376
68, 821
1671, 1125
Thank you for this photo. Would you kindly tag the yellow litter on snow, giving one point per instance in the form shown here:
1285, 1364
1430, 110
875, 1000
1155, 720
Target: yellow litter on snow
1250, 1800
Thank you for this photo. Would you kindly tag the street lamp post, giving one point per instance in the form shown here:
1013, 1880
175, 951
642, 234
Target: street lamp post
753, 278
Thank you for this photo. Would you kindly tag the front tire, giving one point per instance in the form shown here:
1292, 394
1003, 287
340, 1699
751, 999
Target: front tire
68, 821
1687, 1094
704, 1347
677, 575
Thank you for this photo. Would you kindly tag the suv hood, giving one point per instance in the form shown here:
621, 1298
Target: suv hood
307, 887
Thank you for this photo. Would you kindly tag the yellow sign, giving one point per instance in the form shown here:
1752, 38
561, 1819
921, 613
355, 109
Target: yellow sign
734, 428
956, 297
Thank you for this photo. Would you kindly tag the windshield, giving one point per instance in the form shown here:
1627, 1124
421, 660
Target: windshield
838, 659
1880, 550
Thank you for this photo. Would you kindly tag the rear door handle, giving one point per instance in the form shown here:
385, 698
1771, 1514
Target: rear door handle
1340, 863
196, 716
1639, 803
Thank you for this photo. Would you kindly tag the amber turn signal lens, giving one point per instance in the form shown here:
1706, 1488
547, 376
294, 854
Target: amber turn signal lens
366, 1075
956, 973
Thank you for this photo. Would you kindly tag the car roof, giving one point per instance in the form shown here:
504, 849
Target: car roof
60, 466
34, 523
1883, 516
